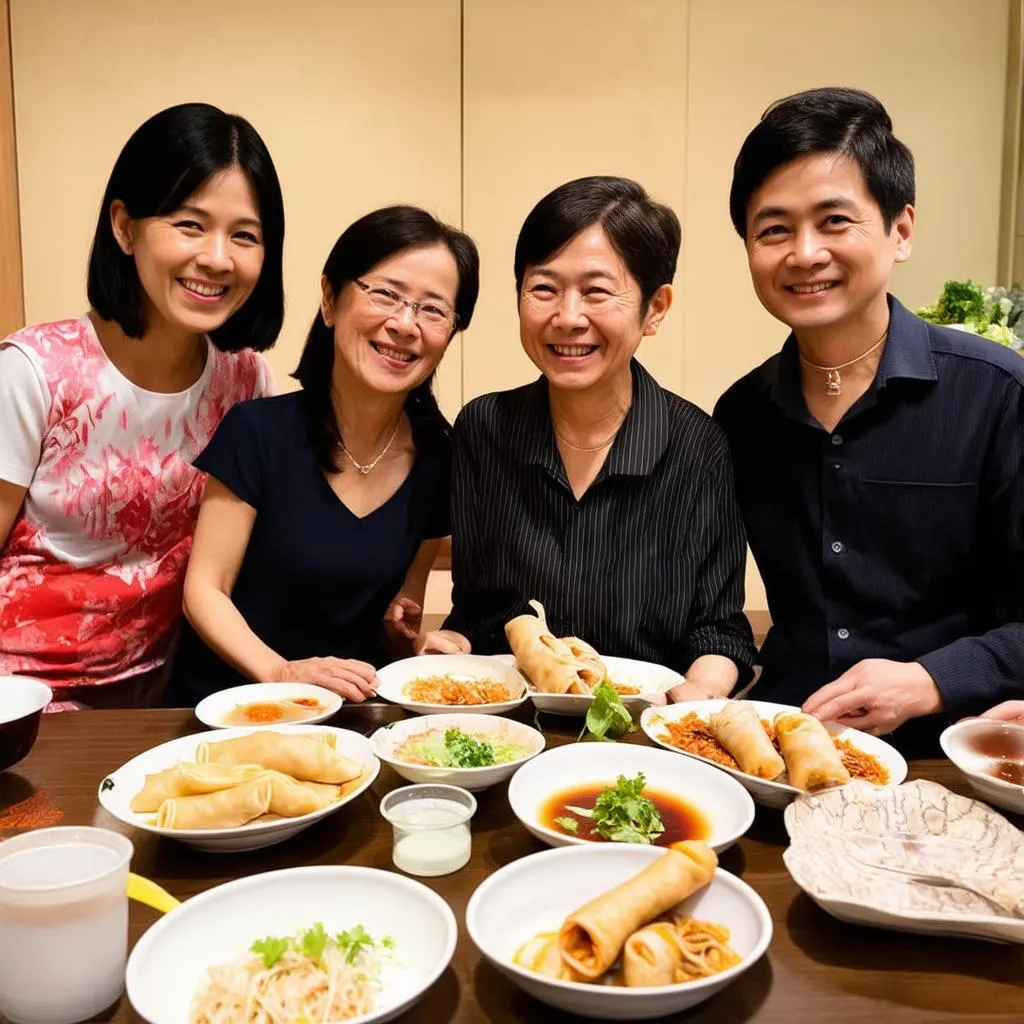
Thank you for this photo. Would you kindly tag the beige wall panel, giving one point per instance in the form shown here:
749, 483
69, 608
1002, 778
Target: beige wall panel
554, 91
11, 312
358, 103
938, 65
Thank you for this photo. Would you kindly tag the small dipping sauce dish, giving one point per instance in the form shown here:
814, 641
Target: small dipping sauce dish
990, 753
431, 828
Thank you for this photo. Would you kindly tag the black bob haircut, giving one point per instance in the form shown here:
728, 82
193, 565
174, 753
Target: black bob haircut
644, 233
850, 122
361, 246
167, 159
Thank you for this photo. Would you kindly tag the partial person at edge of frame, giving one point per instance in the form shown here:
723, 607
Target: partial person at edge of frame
594, 490
326, 506
102, 414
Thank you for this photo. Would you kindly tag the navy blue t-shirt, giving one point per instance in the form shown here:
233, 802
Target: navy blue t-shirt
316, 579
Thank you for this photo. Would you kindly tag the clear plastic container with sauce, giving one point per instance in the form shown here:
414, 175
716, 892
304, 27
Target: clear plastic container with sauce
431, 828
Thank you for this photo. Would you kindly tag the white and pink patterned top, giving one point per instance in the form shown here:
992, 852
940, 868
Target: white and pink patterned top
91, 576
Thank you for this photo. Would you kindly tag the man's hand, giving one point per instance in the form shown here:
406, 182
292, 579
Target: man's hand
1008, 711
441, 641
876, 696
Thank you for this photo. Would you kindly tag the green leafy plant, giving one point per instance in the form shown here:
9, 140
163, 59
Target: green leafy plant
607, 717
994, 313
624, 814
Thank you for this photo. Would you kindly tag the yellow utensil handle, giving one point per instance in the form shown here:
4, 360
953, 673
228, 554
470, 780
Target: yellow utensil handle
145, 891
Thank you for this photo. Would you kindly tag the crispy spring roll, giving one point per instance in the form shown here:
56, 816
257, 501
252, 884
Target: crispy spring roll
592, 937
812, 761
189, 780
290, 798
738, 728
547, 661
652, 956
543, 955
227, 808
299, 755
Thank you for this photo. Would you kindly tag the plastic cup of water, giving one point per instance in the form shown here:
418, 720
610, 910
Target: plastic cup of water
431, 828
63, 924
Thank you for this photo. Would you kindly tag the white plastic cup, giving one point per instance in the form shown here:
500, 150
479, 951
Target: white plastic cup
430, 824
63, 923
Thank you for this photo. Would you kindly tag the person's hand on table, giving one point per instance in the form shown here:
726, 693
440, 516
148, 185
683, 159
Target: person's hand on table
1008, 711
404, 618
685, 691
876, 696
441, 641
354, 680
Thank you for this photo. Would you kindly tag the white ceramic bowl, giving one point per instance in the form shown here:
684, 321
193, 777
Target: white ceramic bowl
394, 678
536, 893
724, 802
213, 710
652, 680
170, 961
769, 794
117, 790
959, 743
387, 739
21, 707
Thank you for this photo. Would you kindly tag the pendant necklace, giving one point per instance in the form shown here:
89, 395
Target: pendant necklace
370, 466
833, 379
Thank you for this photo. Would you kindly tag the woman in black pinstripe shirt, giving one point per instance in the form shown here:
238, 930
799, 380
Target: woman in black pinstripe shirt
594, 490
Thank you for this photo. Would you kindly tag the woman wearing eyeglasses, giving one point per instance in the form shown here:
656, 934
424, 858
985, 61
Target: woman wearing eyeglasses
325, 505
593, 490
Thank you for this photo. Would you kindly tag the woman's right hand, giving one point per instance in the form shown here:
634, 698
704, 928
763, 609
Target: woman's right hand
354, 680
441, 641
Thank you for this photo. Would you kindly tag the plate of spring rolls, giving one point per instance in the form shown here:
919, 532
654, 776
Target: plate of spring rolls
774, 750
619, 932
241, 789
564, 672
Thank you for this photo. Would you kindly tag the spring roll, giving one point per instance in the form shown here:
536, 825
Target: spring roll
299, 755
738, 728
188, 779
543, 955
290, 798
592, 937
547, 661
652, 956
593, 670
812, 761
227, 808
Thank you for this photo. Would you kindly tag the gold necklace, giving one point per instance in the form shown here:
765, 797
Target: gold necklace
370, 466
833, 379
577, 448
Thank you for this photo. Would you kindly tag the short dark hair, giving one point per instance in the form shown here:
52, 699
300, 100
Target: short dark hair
361, 247
165, 161
644, 233
832, 120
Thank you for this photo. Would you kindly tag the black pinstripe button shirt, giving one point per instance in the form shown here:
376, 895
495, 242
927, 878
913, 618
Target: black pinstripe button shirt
647, 564
898, 535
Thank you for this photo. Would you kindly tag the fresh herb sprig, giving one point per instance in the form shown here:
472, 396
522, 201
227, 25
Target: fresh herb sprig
607, 717
314, 943
623, 814
467, 752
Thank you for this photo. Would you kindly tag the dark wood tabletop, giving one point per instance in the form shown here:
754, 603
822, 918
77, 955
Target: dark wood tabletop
816, 969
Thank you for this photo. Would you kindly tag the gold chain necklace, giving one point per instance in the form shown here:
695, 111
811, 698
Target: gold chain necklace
371, 466
833, 379
577, 448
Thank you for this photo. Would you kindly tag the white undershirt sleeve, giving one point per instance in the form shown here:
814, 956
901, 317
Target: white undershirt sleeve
24, 407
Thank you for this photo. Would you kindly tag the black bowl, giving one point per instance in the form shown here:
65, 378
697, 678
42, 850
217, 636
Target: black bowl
21, 707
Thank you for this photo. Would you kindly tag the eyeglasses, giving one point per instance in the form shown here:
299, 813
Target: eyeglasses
430, 315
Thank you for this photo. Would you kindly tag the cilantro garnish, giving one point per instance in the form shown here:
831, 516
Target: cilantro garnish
607, 717
624, 815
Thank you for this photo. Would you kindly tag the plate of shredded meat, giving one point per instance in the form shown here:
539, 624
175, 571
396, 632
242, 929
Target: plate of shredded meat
471, 684
776, 751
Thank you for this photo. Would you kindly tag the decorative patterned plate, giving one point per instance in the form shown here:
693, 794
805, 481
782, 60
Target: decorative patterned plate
919, 826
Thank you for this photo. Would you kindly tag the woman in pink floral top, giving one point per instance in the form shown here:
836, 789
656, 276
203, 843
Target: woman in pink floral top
102, 415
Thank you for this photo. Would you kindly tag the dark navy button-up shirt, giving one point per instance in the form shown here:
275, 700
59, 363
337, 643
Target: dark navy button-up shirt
898, 535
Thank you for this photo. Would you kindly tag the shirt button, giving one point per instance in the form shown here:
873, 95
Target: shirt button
837, 546
836, 465
837, 439
843, 634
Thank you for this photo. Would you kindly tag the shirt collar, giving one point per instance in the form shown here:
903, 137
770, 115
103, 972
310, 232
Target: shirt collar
907, 356
638, 446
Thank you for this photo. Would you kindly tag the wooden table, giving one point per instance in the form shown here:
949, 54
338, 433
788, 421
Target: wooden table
817, 968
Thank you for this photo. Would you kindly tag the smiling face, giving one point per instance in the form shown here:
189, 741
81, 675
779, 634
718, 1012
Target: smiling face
580, 319
819, 253
393, 351
199, 263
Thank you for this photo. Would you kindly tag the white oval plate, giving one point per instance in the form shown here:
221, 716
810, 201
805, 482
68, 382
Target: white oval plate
169, 962
726, 804
955, 746
652, 680
536, 893
117, 790
212, 710
394, 678
769, 794
389, 737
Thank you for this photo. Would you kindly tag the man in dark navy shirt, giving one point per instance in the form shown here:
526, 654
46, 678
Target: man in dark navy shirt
877, 457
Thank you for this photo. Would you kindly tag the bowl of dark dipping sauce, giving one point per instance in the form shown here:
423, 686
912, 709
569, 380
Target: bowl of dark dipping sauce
991, 755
